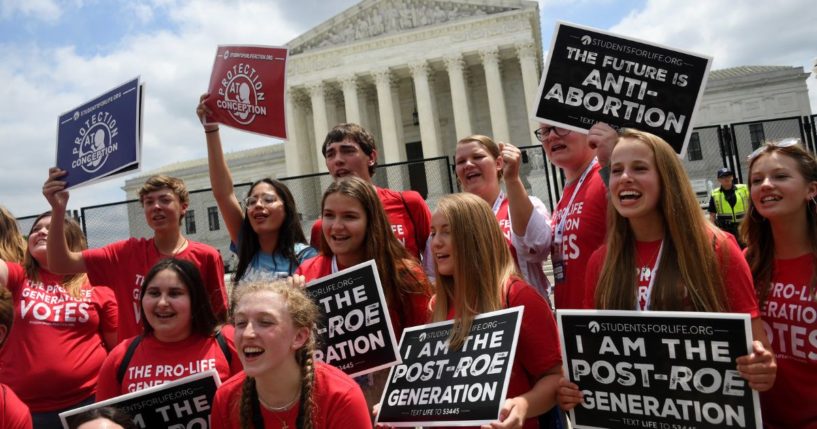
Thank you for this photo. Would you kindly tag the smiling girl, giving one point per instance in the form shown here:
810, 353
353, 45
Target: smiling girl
265, 228
781, 232
281, 385
355, 230
661, 254
180, 336
54, 314
480, 166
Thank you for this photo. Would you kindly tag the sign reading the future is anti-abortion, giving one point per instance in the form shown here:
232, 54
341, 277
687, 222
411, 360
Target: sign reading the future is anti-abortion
102, 138
594, 76
438, 386
355, 333
657, 369
247, 89
182, 403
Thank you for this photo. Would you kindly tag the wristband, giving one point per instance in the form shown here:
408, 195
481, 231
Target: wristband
210, 131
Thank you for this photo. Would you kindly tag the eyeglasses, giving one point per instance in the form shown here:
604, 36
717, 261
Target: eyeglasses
542, 133
778, 144
265, 199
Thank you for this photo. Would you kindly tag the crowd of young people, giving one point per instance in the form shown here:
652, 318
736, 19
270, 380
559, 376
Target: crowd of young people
627, 208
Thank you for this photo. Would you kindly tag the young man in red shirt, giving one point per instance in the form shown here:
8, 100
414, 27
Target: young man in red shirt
122, 265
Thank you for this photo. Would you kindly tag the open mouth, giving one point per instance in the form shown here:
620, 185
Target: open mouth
441, 257
629, 195
472, 175
252, 352
770, 198
342, 172
557, 147
165, 316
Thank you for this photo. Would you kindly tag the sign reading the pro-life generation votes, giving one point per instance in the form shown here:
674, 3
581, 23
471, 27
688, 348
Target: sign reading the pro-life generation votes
102, 138
355, 333
594, 76
247, 89
182, 403
438, 386
658, 369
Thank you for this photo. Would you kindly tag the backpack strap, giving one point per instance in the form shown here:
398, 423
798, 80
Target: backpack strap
222, 343
123, 366
414, 227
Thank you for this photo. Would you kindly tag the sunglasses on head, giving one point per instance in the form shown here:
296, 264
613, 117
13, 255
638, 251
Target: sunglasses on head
779, 144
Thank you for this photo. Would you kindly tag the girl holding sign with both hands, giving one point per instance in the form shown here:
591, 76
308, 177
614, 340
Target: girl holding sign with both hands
656, 229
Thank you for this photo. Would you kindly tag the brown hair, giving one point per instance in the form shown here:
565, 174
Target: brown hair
360, 135
482, 264
757, 232
6, 311
395, 265
12, 243
160, 181
487, 143
689, 271
304, 314
72, 283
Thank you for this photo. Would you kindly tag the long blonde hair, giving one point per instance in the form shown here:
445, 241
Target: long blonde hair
689, 272
482, 264
756, 231
12, 243
72, 283
304, 314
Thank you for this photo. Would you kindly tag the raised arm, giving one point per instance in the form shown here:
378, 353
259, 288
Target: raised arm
519, 204
220, 178
61, 259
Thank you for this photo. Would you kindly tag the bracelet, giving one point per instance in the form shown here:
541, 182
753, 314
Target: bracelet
211, 131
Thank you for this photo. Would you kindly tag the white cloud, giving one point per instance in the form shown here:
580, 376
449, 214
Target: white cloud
46, 10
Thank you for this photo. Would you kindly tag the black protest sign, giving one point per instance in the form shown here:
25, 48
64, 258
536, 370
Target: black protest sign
658, 369
437, 386
355, 333
181, 404
594, 76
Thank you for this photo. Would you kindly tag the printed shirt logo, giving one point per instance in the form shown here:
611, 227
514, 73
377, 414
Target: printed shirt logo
95, 142
242, 91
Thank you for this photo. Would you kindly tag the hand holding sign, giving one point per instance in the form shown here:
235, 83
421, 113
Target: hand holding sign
758, 368
54, 190
202, 111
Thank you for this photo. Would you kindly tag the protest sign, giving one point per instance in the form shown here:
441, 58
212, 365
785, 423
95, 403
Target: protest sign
658, 369
594, 76
102, 138
437, 386
247, 87
180, 404
355, 333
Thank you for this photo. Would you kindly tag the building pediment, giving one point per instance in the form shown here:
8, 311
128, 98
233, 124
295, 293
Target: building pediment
373, 18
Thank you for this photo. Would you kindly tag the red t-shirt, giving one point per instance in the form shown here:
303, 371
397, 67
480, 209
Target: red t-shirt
14, 413
408, 215
416, 314
789, 318
339, 403
584, 230
124, 264
740, 292
538, 348
56, 340
155, 362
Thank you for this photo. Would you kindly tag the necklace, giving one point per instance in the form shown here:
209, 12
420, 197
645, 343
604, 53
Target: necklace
176, 250
282, 409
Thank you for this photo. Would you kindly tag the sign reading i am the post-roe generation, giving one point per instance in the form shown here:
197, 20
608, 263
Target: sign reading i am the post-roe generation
247, 87
182, 403
658, 369
594, 76
355, 333
102, 138
438, 386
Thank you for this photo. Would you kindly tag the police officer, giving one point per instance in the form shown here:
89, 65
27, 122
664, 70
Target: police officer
728, 203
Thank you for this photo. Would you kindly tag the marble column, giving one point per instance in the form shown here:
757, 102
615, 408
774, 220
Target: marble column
530, 84
388, 121
459, 95
351, 100
429, 127
296, 148
496, 97
317, 93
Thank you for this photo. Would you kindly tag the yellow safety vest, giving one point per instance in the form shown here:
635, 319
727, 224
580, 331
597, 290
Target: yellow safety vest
727, 212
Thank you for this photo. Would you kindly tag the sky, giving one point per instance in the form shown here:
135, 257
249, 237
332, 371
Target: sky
59, 54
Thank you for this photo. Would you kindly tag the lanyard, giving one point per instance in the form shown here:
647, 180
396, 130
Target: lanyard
560, 229
498, 203
334, 264
652, 280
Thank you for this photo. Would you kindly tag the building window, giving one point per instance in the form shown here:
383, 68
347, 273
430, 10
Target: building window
756, 135
694, 148
212, 218
190, 222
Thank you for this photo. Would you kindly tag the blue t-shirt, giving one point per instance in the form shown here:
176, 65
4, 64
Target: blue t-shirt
270, 267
